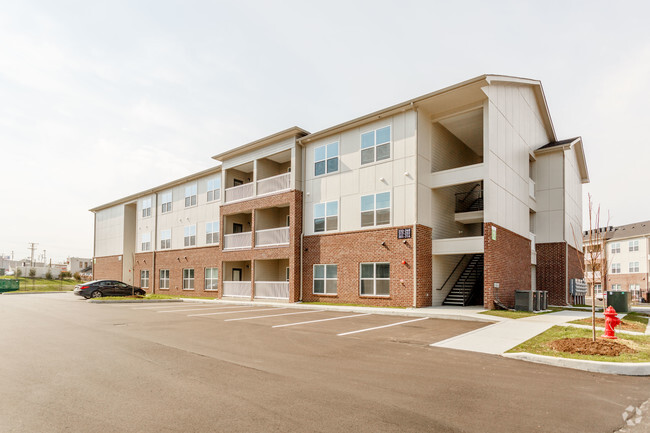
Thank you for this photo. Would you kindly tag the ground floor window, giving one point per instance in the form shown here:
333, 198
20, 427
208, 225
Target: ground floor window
325, 279
144, 279
598, 288
188, 279
635, 291
164, 278
210, 278
616, 287
375, 279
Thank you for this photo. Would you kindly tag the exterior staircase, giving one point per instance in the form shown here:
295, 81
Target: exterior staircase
468, 284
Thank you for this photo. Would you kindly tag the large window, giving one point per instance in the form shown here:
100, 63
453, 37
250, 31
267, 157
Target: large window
375, 209
146, 207
375, 279
326, 159
633, 245
166, 200
375, 145
214, 188
165, 239
633, 267
616, 268
211, 279
190, 195
188, 279
616, 247
164, 278
146, 241
616, 287
325, 278
326, 216
144, 279
598, 288
212, 233
190, 236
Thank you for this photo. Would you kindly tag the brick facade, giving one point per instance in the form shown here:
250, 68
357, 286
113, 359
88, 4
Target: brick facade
575, 270
108, 267
507, 262
551, 271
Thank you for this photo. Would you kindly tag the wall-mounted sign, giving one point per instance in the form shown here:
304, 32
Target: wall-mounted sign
403, 233
494, 233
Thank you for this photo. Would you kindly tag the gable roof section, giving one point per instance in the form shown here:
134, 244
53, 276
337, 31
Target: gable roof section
567, 144
294, 131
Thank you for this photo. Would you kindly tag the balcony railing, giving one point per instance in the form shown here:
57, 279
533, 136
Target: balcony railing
239, 192
238, 289
279, 236
277, 183
471, 200
531, 188
236, 241
272, 289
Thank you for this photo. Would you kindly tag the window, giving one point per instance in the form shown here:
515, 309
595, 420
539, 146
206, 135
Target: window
326, 216
214, 189
325, 278
146, 241
146, 208
633, 267
633, 245
164, 278
144, 279
190, 236
616, 248
166, 199
165, 239
190, 195
616, 287
326, 159
635, 290
212, 233
375, 279
598, 288
375, 209
616, 268
188, 279
211, 279
375, 145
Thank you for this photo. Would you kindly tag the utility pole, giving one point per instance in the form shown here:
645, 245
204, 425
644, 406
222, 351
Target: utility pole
32, 247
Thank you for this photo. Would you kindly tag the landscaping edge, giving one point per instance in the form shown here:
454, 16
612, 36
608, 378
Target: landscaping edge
622, 368
132, 301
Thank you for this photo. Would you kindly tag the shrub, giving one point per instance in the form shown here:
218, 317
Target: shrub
48, 275
32, 273
19, 273
65, 274
77, 276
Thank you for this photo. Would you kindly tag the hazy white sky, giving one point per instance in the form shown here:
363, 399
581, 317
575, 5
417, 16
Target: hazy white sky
99, 100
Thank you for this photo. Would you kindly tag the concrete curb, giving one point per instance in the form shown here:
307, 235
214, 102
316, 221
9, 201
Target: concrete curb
622, 368
132, 301
33, 293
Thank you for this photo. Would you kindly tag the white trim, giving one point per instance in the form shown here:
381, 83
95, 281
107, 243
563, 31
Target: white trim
380, 327
321, 320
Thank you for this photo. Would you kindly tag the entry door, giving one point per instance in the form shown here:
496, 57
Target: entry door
237, 182
237, 228
236, 274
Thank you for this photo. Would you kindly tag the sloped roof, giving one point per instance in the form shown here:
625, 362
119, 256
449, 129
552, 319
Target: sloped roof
558, 143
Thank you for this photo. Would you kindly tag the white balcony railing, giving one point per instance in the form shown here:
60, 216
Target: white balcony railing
236, 241
279, 236
239, 192
531, 188
238, 289
272, 289
277, 183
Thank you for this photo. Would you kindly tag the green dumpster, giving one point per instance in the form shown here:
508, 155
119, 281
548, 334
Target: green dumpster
621, 301
9, 285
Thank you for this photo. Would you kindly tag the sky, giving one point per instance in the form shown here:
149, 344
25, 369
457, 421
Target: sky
99, 100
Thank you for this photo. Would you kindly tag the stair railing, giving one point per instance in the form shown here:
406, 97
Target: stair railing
463, 197
467, 294
452, 272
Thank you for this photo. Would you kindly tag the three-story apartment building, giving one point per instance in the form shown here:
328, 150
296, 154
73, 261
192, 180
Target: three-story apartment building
460, 196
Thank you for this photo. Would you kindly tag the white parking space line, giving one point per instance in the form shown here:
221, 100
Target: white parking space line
321, 320
384, 326
197, 309
272, 315
177, 305
229, 312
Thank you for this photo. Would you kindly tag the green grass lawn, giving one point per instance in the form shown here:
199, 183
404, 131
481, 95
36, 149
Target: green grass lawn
516, 314
540, 345
43, 285
636, 322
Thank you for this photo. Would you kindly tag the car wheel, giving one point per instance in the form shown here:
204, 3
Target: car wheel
140, 293
96, 294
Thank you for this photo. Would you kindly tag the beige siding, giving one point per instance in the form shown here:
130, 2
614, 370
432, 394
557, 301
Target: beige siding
109, 231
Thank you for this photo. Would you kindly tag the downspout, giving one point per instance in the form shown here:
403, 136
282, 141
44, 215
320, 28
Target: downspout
415, 222
94, 242
566, 241
155, 244
302, 207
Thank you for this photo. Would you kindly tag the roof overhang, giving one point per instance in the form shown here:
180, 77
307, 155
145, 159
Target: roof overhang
293, 132
575, 144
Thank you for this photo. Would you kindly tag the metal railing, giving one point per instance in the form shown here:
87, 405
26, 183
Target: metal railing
451, 274
471, 200
272, 289
268, 237
237, 289
237, 241
240, 192
271, 184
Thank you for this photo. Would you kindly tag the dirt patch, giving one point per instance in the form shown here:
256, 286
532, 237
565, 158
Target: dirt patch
625, 325
586, 346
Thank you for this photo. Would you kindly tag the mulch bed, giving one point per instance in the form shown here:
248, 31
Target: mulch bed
586, 346
625, 325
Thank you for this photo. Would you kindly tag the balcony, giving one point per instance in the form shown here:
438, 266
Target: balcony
272, 289
272, 279
240, 192
469, 206
272, 237
531, 188
533, 249
259, 177
273, 184
237, 241
237, 289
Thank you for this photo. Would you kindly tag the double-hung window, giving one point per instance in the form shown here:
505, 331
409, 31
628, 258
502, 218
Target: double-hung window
146, 207
616, 287
326, 216
616, 268
375, 209
190, 195
633, 267
146, 241
190, 236
633, 245
616, 248
188, 279
165, 239
214, 188
211, 278
144, 279
164, 278
375, 145
212, 233
375, 279
325, 278
326, 159
166, 200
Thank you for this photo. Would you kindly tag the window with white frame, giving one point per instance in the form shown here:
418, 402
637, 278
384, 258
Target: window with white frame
616, 287
635, 290
165, 239
212, 233
188, 279
326, 159
375, 145
616, 268
214, 188
164, 278
146, 207
325, 279
633, 245
375, 209
166, 199
375, 279
146, 241
211, 278
190, 236
190, 195
616, 248
598, 288
326, 216
144, 279
633, 267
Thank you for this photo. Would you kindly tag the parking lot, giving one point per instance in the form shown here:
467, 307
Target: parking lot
70, 365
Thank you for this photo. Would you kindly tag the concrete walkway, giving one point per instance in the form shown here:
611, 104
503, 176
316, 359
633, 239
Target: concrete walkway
500, 337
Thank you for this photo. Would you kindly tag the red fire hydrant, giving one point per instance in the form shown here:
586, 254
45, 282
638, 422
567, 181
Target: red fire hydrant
611, 322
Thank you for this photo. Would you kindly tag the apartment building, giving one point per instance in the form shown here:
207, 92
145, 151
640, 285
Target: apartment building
627, 260
460, 196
